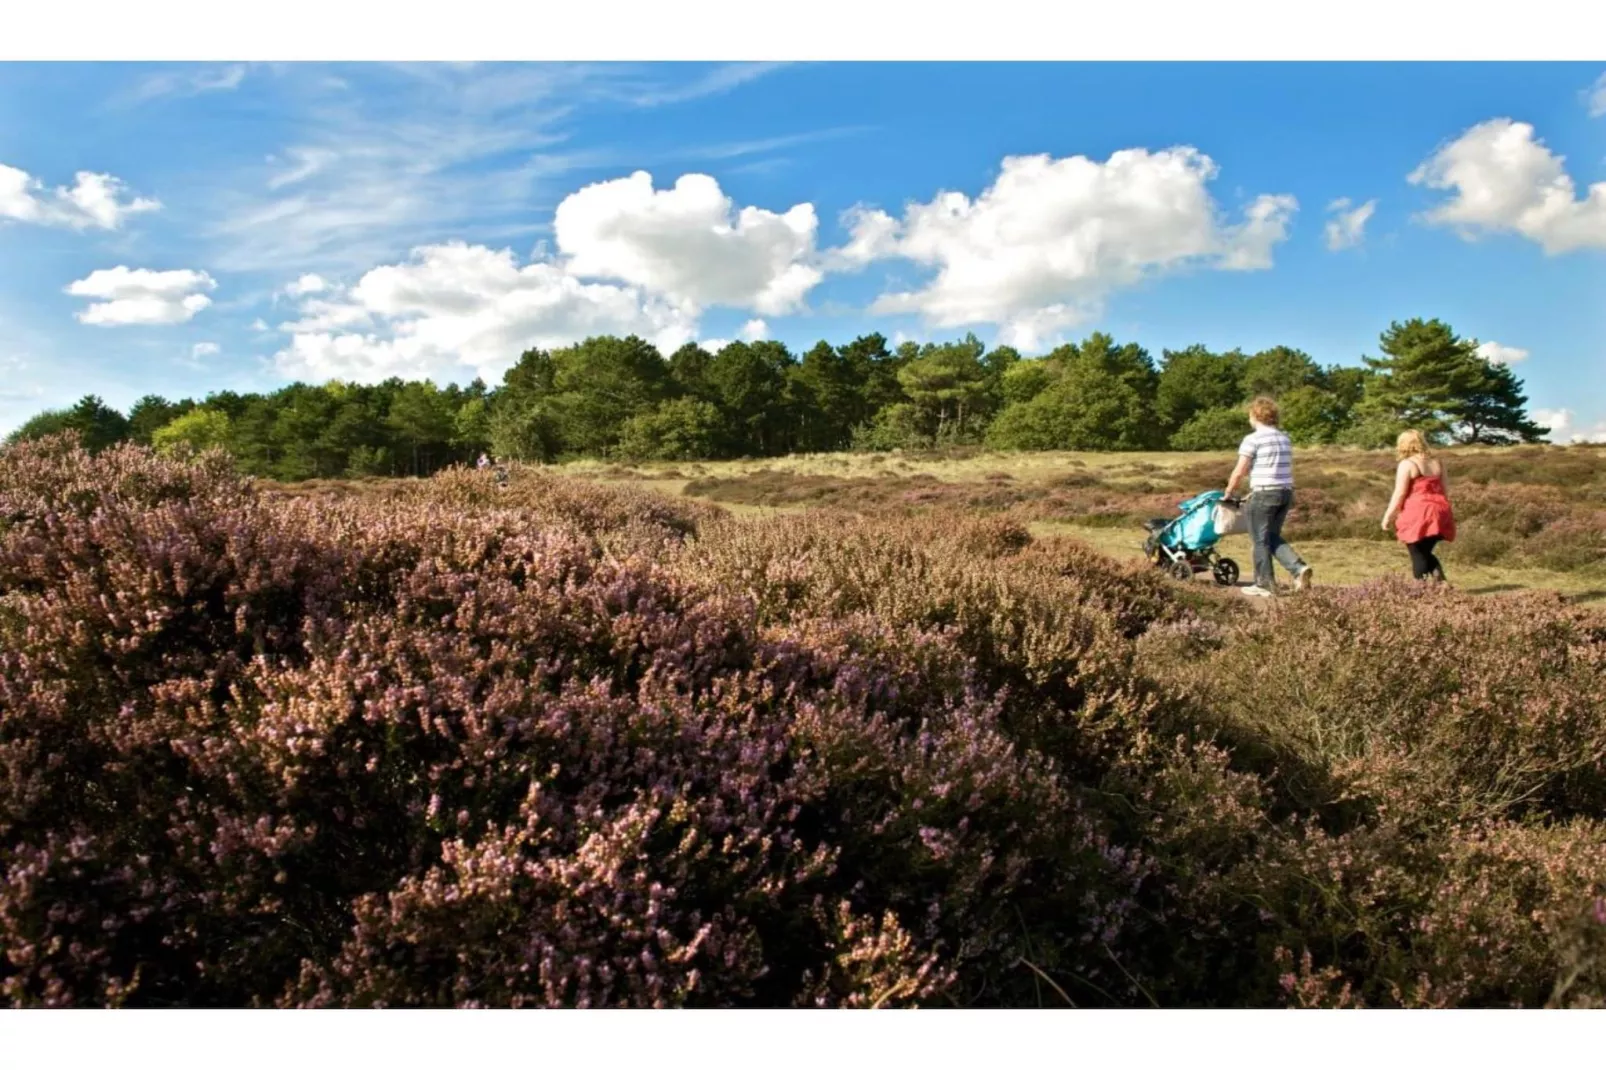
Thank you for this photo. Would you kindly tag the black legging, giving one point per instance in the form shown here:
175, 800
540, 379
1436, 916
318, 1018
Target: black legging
1423, 563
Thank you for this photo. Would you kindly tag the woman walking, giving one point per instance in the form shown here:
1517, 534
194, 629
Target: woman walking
1420, 510
1266, 456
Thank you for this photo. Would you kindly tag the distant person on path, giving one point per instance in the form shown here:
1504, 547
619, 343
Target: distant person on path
483, 463
1420, 510
1266, 456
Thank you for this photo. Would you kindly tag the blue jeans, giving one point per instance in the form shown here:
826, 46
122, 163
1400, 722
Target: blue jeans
1264, 513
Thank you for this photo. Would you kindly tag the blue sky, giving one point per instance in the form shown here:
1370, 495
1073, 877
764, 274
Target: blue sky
241, 226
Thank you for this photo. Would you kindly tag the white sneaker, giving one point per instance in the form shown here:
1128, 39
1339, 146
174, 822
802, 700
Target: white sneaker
1259, 592
1303, 580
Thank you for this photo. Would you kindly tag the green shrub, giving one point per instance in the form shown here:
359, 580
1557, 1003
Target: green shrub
1213, 429
683, 429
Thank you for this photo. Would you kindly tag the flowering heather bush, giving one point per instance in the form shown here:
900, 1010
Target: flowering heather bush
1471, 707
552, 745
1435, 766
591, 507
933, 568
256, 752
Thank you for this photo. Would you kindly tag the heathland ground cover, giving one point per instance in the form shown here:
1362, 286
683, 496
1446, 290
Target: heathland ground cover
571, 742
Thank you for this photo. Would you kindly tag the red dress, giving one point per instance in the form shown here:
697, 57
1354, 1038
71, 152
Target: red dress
1425, 513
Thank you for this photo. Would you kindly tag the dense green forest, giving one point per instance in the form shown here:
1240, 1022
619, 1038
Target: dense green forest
620, 398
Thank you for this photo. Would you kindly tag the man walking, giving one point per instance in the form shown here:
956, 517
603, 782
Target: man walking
1266, 456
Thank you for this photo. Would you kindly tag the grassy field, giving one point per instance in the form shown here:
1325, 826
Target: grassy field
1531, 518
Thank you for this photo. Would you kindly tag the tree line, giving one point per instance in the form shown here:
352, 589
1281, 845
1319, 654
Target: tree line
609, 397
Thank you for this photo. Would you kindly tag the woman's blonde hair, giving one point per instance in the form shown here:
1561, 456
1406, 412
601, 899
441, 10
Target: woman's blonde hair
1411, 444
1264, 411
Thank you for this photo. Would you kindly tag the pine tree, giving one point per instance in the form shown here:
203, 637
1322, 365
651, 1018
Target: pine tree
99, 426
1422, 380
1495, 411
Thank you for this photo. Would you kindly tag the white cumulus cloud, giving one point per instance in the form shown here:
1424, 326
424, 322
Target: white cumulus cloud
1042, 247
457, 306
1495, 353
306, 284
94, 200
1560, 421
689, 244
755, 330
1563, 427
205, 349
1505, 180
1347, 225
122, 296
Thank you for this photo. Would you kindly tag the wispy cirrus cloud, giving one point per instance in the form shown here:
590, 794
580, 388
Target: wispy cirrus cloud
300, 163
1595, 97
732, 150
186, 80
1346, 225
720, 80
396, 156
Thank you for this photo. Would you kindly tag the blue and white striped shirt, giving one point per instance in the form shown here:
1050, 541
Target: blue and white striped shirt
1272, 457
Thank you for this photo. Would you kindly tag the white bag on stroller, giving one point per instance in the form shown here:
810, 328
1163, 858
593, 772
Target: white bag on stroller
1230, 519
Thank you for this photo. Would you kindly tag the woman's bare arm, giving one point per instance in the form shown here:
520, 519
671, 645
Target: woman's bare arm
1402, 482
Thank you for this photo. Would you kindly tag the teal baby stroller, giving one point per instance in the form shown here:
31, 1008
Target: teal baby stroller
1186, 543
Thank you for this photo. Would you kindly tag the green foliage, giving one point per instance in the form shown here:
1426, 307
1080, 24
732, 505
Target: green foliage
1194, 380
1101, 400
587, 399
1494, 411
371, 461
1212, 429
748, 381
152, 412
896, 427
198, 430
683, 429
950, 388
533, 376
830, 396
471, 426
524, 431
1025, 381
1276, 371
43, 425
1422, 378
1312, 416
600, 384
875, 368
422, 421
98, 426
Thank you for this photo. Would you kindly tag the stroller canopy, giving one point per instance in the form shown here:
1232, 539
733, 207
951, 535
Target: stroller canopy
1196, 528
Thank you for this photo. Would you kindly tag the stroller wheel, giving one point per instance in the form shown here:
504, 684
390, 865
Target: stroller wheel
1225, 571
1181, 570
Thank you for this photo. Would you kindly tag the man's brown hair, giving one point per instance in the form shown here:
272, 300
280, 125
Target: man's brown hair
1264, 411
